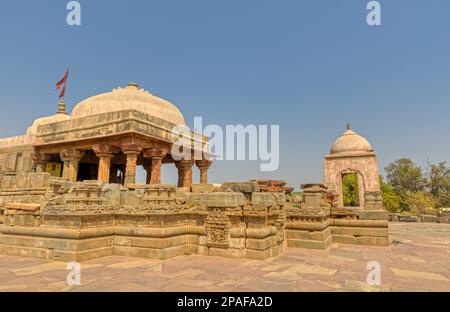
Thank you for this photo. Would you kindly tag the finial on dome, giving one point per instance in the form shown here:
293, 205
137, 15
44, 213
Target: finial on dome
349, 126
61, 106
132, 85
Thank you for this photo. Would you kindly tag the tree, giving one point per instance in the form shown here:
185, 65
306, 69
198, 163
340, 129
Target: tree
391, 200
439, 183
420, 203
350, 190
405, 176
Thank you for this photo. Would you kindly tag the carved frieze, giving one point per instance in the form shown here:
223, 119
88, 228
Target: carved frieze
218, 227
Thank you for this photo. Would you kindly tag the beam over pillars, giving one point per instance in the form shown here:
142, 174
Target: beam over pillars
203, 165
104, 153
132, 151
156, 157
71, 159
184, 172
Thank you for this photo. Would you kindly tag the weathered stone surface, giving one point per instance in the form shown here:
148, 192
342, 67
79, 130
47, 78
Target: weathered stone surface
428, 218
405, 218
202, 188
243, 187
264, 199
373, 214
225, 199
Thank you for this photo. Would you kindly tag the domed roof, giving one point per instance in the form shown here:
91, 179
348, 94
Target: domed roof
59, 116
130, 97
350, 143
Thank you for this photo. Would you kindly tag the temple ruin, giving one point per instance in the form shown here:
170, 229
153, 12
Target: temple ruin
68, 191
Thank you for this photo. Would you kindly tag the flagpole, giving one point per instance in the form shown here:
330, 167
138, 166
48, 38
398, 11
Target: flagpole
65, 84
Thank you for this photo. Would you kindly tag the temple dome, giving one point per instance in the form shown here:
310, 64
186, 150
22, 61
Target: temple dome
60, 116
130, 97
350, 143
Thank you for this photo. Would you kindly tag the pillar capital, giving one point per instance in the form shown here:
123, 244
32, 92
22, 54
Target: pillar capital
102, 150
39, 157
131, 149
184, 164
70, 155
203, 163
155, 153
39, 160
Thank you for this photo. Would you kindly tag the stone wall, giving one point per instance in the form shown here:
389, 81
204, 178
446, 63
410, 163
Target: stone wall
52, 218
317, 220
90, 219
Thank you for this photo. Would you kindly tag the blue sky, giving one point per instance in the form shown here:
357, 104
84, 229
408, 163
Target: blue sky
308, 66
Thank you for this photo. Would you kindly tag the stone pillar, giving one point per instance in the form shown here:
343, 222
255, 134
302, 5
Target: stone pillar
104, 153
184, 172
148, 168
156, 156
39, 161
104, 167
203, 165
71, 159
132, 151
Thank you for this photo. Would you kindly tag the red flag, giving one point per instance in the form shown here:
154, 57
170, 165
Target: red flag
62, 81
63, 92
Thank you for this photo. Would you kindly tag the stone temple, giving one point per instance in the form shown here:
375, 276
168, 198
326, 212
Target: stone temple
68, 191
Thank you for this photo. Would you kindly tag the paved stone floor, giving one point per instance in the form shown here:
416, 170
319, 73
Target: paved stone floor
419, 260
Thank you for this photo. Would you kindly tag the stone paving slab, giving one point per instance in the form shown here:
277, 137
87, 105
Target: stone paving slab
419, 262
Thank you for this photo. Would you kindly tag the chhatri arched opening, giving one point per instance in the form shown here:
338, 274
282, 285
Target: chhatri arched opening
350, 189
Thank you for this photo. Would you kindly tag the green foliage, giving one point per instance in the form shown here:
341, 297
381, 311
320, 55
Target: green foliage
420, 203
405, 176
439, 183
350, 190
391, 200
409, 189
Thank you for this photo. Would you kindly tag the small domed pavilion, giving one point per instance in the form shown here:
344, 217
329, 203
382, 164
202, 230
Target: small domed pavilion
352, 154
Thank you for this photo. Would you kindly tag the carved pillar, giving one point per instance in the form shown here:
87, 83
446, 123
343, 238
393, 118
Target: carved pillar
148, 169
156, 157
132, 151
71, 159
184, 172
203, 165
39, 161
104, 153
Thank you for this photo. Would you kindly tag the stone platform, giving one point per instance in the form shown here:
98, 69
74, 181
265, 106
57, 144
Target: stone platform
418, 260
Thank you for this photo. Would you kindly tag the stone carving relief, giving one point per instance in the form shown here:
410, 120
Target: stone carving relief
218, 227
